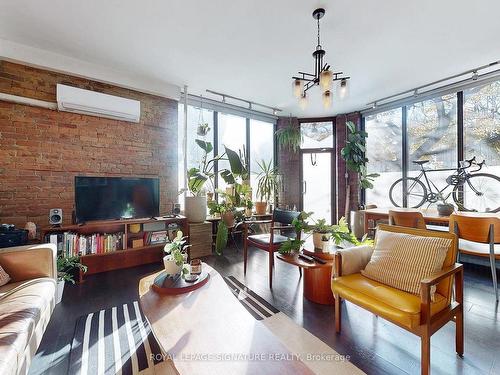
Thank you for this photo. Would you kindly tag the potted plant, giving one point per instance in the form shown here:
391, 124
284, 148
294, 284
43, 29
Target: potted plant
202, 129
354, 155
338, 233
176, 255
68, 269
320, 232
444, 208
289, 137
195, 205
267, 185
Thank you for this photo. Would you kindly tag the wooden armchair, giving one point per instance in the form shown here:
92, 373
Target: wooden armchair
417, 314
410, 219
270, 242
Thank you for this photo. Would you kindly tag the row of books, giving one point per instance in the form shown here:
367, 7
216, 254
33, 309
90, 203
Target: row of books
72, 244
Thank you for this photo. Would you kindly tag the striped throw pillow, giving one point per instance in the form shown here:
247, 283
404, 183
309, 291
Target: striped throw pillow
4, 277
402, 260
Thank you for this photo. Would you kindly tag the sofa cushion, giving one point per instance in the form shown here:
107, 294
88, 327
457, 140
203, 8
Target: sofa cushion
21, 309
4, 277
391, 303
402, 260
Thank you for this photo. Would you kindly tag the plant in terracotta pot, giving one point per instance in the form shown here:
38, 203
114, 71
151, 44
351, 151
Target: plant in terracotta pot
267, 185
68, 270
176, 255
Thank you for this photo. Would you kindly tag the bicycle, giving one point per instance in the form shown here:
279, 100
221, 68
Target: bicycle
480, 190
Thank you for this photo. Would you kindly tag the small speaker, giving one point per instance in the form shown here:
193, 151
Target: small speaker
55, 216
176, 208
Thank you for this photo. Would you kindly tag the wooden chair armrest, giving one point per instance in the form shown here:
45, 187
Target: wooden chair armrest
247, 222
282, 227
443, 274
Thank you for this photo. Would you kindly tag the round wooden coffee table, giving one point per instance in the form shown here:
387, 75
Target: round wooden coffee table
317, 276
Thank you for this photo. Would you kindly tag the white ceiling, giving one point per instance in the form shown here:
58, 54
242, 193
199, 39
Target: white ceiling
252, 48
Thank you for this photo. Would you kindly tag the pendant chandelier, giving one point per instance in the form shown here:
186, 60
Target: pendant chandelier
323, 76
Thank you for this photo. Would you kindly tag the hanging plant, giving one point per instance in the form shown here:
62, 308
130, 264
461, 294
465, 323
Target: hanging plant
289, 137
203, 129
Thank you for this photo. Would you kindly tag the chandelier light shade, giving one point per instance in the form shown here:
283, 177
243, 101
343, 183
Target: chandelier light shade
322, 76
343, 89
297, 88
327, 99
303, 101
325, 80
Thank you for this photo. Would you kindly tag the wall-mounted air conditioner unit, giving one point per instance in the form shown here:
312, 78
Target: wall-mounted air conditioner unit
72, 99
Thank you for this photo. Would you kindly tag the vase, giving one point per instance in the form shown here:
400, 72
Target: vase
248, 212
260, 208
318, 239
60, 290
170, 266
195, 209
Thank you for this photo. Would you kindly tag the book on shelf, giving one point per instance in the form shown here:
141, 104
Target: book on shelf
75, 244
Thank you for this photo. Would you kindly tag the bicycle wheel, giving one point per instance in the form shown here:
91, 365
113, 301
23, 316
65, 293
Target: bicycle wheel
416, 192
481, 192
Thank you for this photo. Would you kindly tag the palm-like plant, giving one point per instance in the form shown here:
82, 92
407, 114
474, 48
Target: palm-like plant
267, 181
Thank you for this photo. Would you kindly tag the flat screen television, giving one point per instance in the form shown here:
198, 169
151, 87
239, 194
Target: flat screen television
109, 198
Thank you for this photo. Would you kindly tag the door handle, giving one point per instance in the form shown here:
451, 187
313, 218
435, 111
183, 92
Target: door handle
304, 190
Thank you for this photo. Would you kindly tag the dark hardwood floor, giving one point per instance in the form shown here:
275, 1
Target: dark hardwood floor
374, 345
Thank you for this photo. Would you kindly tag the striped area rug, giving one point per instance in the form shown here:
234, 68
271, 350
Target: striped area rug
258, 307
114, 341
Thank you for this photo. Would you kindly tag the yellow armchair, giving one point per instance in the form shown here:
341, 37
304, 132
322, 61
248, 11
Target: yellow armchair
415, 313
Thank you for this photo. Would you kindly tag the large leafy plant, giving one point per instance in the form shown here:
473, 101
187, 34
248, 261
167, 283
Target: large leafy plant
354, 155
197, 177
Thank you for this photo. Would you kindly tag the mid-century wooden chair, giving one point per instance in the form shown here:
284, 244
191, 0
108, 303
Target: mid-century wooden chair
418, 314
270, 242
478, 235
410, 219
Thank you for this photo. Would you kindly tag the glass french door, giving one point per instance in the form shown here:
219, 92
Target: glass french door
317, 183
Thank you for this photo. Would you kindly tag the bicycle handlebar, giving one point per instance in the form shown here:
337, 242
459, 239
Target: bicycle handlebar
479, 165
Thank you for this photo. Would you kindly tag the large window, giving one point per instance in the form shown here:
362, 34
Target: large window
232, 134
261, 148
482, 133
384, 151
236, 132
434, 133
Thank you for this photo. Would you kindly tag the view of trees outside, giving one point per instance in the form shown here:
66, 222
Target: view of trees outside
261, 148
316, 134
432, 135
482, 127
383, 150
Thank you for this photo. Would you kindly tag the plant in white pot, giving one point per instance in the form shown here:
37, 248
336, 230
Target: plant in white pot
68, 269
267, 185
176, 255
195, 204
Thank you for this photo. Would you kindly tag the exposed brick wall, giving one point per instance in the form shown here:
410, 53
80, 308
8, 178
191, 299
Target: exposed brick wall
41, 150
289, 166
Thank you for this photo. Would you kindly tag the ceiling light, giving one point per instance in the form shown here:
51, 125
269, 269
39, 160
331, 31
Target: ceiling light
297, 87
327, 99
303, 101
343, 89
325, 79
322, 76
